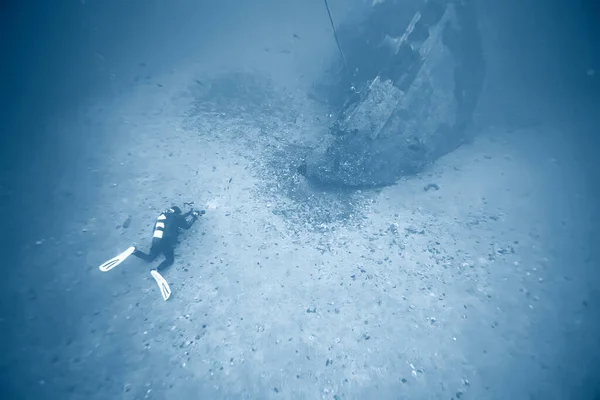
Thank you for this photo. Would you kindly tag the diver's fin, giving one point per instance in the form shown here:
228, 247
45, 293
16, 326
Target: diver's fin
113, 262
165, 290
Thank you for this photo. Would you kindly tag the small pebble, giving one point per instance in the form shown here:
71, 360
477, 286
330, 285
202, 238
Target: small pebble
430, 186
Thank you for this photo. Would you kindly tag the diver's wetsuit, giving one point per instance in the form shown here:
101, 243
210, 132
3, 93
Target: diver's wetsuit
164, 237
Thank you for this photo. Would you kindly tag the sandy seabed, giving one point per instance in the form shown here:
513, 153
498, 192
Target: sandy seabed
473, 289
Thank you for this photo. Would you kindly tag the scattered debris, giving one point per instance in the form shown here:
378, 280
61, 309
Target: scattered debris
393, 228
127, 222
413, 230
504, 250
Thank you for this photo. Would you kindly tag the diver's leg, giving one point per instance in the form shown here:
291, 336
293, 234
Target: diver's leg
155, 250
169, 253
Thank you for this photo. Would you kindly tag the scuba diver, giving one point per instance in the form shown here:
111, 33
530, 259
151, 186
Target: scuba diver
165, 236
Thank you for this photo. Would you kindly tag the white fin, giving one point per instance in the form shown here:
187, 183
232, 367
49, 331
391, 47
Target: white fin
165, 290
113, 262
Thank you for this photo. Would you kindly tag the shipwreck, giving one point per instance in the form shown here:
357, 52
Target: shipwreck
403, 92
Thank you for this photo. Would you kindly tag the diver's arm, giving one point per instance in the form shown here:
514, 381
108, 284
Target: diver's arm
183, 221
